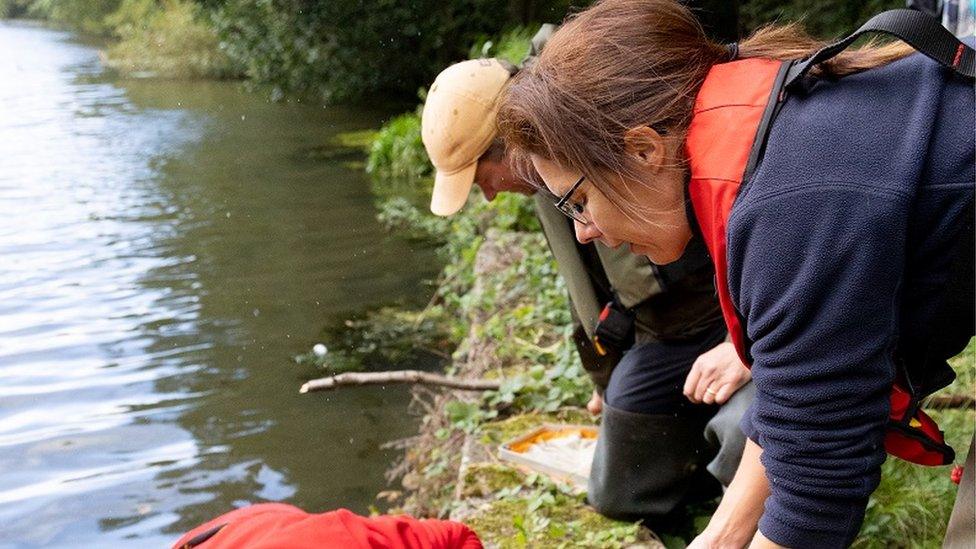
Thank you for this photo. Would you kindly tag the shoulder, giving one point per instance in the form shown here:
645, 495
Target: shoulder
874, 131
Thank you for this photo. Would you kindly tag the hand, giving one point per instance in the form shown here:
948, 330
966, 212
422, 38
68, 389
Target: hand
595, 405
716, 375
704, 541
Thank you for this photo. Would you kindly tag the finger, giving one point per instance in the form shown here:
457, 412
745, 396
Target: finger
704, 383
709, 396
595, 405
692, 380
724, 392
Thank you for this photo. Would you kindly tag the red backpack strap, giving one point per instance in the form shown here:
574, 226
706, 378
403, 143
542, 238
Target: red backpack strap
912, 435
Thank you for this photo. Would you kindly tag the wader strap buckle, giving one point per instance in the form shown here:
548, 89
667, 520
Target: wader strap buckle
614, 328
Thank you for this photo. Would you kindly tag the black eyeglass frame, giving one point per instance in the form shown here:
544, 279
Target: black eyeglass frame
572, 210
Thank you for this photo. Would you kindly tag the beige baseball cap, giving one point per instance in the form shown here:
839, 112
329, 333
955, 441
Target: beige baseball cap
458, 126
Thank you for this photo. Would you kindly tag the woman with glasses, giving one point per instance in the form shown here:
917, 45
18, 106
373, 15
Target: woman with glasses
835, 198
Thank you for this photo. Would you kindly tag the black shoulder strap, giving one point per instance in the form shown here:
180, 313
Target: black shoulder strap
918, 30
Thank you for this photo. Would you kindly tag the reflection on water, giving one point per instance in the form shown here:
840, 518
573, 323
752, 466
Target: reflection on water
166, 249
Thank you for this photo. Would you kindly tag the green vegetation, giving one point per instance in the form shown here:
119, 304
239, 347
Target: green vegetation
487, 479
366, 51
164, 38
373, 51
87, 16
397, 152
512, 45
171, 39
542, 514
362, 50
823, 18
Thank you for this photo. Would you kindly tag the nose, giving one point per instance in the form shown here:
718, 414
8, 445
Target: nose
586, 233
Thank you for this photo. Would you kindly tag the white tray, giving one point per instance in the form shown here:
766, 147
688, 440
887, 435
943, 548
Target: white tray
513, 451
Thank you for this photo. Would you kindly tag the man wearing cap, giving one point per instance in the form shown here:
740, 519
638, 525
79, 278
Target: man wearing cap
645, 333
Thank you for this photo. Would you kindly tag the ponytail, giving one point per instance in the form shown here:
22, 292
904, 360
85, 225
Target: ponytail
791, 41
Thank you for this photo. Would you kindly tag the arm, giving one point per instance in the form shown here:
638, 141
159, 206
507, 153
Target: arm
816, 274
734, 522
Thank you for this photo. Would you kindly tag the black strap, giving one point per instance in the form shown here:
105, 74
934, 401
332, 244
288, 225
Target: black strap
918, 30
202, 537
773, 105
616, 326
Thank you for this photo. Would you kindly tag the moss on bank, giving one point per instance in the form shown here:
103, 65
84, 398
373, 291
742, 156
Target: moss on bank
564, 522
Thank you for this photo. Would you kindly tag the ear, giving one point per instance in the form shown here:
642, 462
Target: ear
646, 146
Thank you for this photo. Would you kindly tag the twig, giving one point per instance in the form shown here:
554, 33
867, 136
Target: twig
399, 376
943, 402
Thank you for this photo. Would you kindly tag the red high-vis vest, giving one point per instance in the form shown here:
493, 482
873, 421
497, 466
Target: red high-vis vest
733, 108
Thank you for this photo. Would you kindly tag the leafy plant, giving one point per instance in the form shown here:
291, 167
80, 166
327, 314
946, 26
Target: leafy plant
398, 151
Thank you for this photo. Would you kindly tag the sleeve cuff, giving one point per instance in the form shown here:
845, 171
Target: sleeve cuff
793, 536
748, 426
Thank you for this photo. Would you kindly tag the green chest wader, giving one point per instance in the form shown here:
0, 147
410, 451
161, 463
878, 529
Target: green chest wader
644, 465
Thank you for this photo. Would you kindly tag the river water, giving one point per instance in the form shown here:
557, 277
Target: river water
167, 247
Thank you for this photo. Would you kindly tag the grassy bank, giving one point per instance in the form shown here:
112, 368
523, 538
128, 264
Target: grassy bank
509, 318
164, 38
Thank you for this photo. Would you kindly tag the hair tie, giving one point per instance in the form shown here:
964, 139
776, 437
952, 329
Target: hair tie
733, 50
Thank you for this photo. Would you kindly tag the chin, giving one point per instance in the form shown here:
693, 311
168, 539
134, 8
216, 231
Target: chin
657, 260
657, 256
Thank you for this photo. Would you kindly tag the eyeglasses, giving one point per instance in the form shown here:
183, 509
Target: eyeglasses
569, 207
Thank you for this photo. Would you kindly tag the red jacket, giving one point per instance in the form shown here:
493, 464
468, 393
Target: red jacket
277, 525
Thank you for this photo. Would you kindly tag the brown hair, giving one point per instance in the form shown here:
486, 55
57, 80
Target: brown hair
622, 64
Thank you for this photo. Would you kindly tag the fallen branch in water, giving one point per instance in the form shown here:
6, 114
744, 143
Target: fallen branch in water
943, 402
399, 376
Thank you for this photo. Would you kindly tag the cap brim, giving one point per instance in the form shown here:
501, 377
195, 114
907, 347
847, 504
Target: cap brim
451, 190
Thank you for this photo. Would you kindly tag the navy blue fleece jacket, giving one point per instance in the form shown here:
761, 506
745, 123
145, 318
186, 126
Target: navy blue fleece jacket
836, 248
